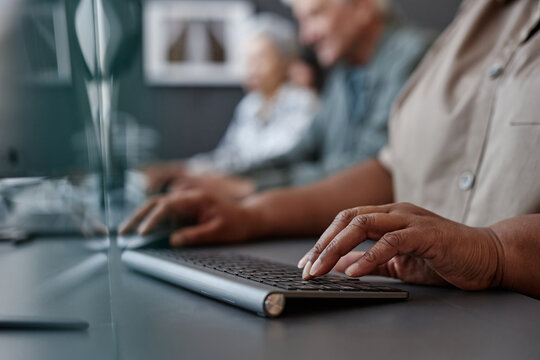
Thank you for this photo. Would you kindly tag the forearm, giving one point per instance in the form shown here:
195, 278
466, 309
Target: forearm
307, 211
520, 241
299, 174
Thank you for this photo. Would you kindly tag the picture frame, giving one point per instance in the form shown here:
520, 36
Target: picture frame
194, 43
44, 44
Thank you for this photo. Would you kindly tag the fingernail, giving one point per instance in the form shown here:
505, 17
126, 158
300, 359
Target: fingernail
307, 269
142, 229
352, 270
302, 261
316, 267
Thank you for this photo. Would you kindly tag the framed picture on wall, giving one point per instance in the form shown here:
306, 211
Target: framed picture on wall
194, 43
44, 44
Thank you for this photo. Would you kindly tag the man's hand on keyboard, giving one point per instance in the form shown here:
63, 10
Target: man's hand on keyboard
413, 245
218, 220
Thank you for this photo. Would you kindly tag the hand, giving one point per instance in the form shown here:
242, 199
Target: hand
161, 175
234, 188
414, 245
218, 220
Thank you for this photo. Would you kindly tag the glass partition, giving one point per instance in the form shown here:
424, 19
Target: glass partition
75, 130
62, 176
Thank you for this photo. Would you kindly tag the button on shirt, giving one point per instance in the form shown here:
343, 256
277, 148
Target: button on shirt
465, 133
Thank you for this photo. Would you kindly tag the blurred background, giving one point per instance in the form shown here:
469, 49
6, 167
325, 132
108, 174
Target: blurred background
52, 106
193, 119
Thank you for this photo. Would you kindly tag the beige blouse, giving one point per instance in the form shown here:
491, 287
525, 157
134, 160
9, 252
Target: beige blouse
465, 131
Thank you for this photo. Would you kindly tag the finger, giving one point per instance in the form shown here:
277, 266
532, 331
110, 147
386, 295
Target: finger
129, 224
94, 227
387, 270
158, 214
352, 257
180, 203
410, 269
348, 260
154, 184
156, 179
181, 186
201, 234
358, 230
383, 270
390, 245
341, 221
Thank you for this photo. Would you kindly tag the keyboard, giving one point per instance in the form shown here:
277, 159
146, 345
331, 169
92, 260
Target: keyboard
252, 283
262, 271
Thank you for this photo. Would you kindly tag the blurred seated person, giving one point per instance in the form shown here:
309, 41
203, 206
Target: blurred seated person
269, 121
370, 54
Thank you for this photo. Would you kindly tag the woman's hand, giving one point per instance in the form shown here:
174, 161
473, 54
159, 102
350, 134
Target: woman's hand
218, 220
413, 245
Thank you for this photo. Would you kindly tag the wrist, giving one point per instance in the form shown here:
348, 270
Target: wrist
255, 217
498, 248
246, 188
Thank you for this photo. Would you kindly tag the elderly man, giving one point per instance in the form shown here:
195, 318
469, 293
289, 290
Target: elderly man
371, 55
464, 143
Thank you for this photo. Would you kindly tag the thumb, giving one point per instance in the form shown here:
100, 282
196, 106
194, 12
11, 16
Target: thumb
348, 260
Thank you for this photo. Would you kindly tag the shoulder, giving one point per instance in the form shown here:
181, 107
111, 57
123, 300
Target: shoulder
408, 40
402, 49
297, 96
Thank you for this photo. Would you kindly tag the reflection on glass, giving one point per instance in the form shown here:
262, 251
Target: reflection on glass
67, 154
62, 176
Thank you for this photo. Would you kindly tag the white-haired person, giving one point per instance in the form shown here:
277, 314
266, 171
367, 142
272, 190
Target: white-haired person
268, 122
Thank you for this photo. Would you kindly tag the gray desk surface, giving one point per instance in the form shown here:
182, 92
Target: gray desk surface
136, 317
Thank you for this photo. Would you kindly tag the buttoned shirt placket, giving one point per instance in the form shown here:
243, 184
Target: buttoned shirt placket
493, 76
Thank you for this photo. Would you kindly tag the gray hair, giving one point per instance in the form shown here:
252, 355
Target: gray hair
383, 6
280, 31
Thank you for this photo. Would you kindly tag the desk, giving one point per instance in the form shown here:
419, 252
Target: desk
136, 317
